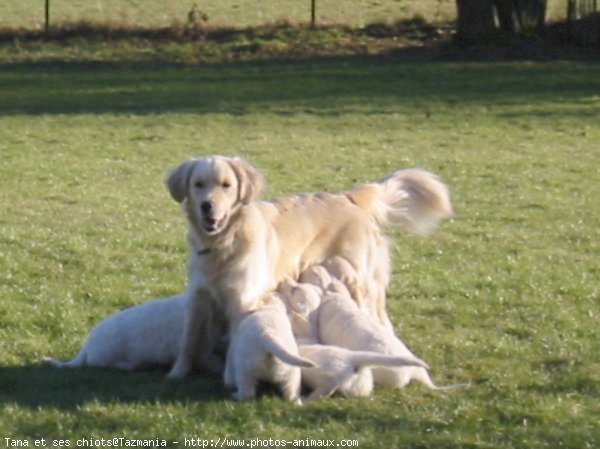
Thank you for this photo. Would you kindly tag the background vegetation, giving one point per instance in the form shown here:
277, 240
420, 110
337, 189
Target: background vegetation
504, 296
241, 13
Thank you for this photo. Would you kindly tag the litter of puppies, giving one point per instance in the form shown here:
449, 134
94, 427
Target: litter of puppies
291, 290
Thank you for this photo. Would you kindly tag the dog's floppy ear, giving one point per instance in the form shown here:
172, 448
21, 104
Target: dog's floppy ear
250, 181
178, 180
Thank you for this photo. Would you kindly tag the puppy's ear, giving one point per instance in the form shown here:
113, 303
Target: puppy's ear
251, 182
178, 180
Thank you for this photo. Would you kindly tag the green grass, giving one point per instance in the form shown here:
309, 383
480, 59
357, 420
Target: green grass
92, 43
504, 296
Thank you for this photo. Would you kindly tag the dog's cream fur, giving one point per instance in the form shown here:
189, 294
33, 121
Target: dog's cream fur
242, 248
316, 275
302, 301
344, 371
263, 348
340, 269
342, 323
144, 335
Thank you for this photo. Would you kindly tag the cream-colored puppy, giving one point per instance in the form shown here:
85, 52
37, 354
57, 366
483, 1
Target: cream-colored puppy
342, 323
402, 376
302, 301
316, 275
319, 276
340, 269
263, 348
345, 371
144, 335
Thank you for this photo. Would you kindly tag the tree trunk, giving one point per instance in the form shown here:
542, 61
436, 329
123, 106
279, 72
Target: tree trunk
524, 17
505, 10
531, 15
475, 19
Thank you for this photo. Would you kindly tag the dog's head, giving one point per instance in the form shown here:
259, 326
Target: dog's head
214, 188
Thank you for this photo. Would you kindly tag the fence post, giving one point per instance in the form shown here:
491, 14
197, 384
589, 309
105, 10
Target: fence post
313, 13
47, 16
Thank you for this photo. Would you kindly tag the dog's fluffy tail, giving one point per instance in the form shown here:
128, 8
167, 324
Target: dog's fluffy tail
414, 199
363, 359
273, 346
79, 361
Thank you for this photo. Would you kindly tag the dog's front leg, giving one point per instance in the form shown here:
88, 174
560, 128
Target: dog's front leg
198, 342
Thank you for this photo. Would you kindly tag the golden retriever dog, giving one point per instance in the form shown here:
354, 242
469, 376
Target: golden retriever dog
340, 269
344, 371
341, 323
149, 334
263, 348
302, 302
242, 248
316, 275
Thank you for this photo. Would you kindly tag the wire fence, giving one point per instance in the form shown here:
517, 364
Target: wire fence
238, 13
31, 14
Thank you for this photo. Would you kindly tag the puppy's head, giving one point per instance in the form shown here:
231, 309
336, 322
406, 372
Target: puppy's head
337, 287
213, 188
304, 298
316, 275
341, 269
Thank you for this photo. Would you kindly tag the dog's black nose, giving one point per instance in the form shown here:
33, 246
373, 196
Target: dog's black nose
206, 207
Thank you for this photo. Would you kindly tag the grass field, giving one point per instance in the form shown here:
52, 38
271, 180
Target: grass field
505, 295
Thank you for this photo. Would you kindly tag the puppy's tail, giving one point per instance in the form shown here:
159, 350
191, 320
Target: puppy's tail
414, 199
273, 346
79, 361
423, 377
363, 359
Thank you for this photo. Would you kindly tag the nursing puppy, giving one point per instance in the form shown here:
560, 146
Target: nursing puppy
263, 348
316, 275
342, 323
341, 270
302, 301
242, 248
344, 371
145, 335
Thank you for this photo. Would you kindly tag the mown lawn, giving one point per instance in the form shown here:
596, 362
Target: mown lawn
505, 295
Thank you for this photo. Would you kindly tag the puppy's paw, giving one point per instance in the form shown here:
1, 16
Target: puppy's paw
179, 371
242, 397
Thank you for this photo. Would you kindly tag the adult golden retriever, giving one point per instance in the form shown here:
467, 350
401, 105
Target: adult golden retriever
242, 248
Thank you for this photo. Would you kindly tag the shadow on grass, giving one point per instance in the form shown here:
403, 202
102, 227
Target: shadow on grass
328, 86
41, 385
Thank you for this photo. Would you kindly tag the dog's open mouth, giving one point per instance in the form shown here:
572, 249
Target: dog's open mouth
214, 226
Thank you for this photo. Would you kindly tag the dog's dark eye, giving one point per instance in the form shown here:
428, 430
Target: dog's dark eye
199, 184
226, 184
